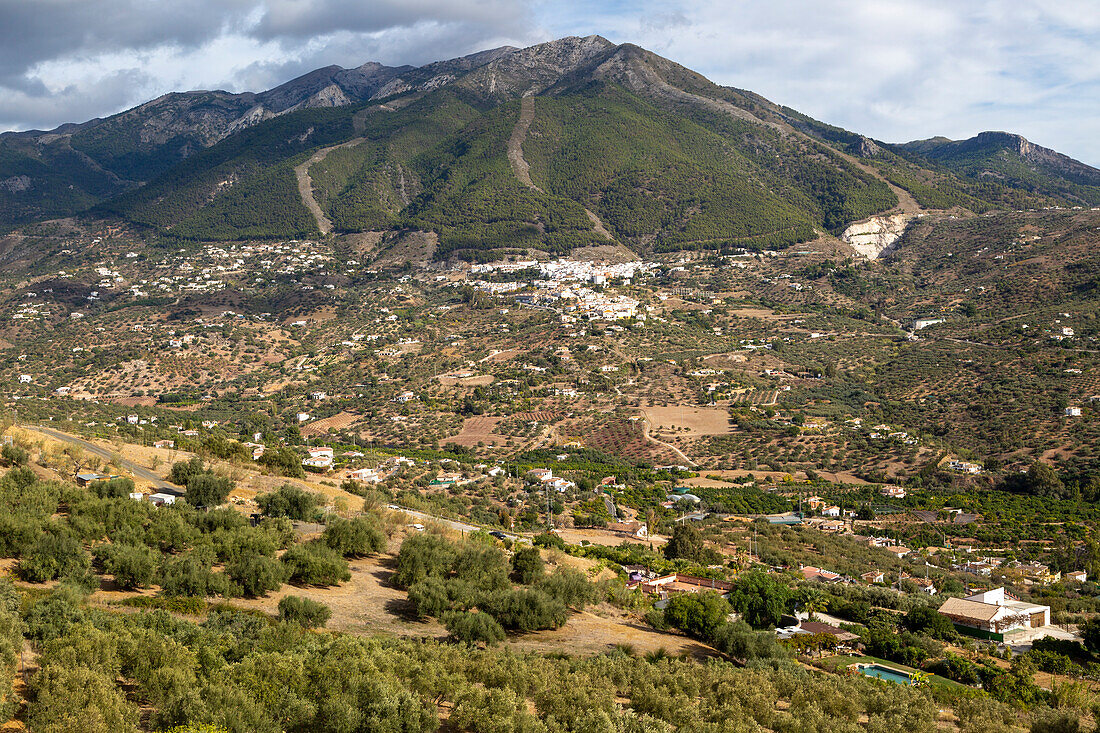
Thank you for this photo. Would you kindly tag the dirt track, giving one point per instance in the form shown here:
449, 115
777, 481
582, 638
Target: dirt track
305, 183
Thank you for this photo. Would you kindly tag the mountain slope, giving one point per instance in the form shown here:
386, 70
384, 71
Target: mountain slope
1013, 161
620, 142
663, 166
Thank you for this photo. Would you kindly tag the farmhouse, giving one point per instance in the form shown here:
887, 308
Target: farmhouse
634, 529
822, 576
994, 613
369, 475
672, 584
319, 458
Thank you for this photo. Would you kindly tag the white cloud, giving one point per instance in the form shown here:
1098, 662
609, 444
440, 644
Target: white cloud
894, 70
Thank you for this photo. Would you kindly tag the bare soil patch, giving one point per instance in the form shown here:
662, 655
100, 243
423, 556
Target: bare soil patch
689, 420
339, 421
475, 430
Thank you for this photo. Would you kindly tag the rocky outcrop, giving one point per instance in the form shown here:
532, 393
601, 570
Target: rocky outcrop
15, 184
865, 147
874, 236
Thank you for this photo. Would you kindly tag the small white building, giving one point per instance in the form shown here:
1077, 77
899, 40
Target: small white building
994, 613
1073, 412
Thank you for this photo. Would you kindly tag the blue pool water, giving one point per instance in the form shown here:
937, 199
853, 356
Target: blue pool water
885, 673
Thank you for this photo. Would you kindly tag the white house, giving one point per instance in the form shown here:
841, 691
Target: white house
994, 613
831, 511
320, 457
368, 475
1073, 412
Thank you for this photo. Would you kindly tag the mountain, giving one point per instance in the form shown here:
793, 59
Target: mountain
569, 143
1014, 161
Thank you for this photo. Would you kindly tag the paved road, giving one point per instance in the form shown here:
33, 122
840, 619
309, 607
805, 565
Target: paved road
457, 526
136, 470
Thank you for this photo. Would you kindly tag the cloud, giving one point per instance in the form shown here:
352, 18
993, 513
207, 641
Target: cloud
58, 56
895, 70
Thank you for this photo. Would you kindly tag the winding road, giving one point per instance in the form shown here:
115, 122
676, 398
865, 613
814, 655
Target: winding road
135, 469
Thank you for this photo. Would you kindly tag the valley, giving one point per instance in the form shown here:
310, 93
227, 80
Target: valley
544, 389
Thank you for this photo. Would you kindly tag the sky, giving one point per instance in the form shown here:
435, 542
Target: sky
895, 70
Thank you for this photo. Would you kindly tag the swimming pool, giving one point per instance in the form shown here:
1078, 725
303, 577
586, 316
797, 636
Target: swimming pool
885, 673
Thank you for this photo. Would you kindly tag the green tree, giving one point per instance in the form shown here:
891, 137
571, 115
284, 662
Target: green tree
56, 554
472, 627
421, 556
308, 614
79, 699
355, 537
115, 488
315, 564
927, 620
761, 599
686, 542
13, 455
568, 585
208, 489
527, 565
697, 614
289, 501
182, 471
133, 566
256, 574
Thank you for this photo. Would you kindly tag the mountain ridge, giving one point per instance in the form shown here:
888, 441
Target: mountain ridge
721, 164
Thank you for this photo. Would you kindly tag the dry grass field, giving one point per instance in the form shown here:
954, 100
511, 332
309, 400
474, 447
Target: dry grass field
689, 421
476, 430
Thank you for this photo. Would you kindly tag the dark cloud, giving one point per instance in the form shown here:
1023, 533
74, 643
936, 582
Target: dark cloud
57, 57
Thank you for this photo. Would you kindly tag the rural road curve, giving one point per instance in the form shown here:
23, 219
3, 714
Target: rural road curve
139, 471
674, 449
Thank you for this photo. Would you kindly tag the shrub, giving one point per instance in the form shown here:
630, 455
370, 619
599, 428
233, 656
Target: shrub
55, 555
472, 627
13, 455
354, 537
133, 566
306, 613
315, 564
289, 501
175, 604
208, 489
256, 574
528, 566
